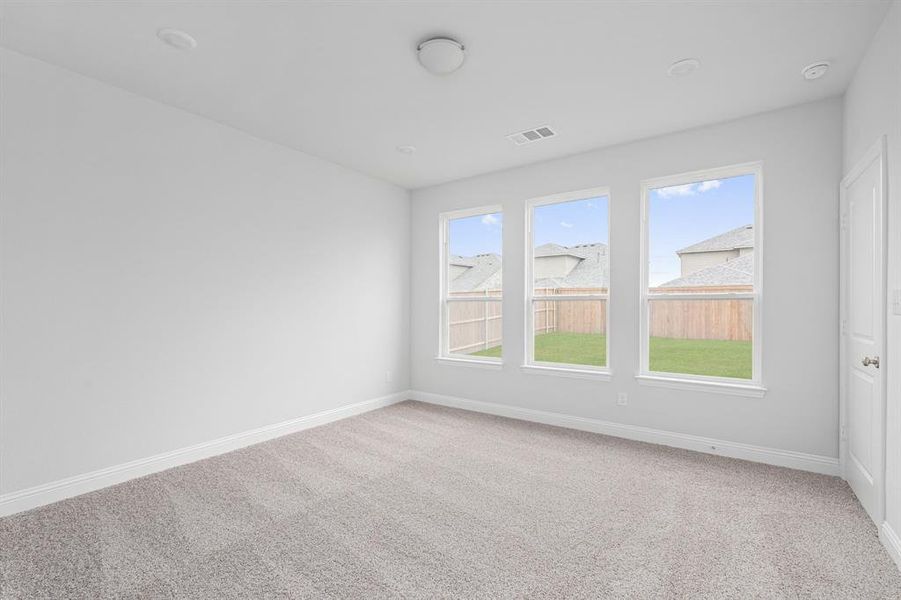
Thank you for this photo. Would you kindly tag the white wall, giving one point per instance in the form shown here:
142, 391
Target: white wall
167, 280
801, 149
873, 109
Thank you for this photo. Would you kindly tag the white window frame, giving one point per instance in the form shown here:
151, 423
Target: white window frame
723, 385
444, 355
530, 365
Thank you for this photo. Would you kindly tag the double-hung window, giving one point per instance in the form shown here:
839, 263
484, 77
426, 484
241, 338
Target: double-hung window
700, 293
472, 285
567, 282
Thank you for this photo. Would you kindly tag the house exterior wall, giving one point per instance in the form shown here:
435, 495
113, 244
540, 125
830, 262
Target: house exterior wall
554, 266
693, 262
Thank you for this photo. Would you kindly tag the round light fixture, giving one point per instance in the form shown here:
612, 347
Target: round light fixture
815, 70
177, 39
681, 68
406, 149
441, 56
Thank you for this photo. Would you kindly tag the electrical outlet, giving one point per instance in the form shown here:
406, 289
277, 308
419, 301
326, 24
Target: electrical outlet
622, 399
389, 377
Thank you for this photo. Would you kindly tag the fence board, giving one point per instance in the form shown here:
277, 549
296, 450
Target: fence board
701, 319
475, 326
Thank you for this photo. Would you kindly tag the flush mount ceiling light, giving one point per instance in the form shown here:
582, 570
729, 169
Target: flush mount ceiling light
441, 56
681, 68
815, 70
177, 38
406, 149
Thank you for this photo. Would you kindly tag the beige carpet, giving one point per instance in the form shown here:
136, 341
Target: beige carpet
417, 501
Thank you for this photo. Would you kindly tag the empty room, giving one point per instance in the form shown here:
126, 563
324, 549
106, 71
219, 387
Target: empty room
450, 299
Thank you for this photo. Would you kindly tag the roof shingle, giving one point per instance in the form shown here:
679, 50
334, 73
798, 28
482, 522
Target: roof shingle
738, 271
485, 270
740, 237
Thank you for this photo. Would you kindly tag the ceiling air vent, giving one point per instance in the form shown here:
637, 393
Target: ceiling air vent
531, 135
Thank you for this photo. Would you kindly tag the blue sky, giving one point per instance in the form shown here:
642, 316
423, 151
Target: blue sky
678, 216
481, 234
681, 215
571, 223
567, 224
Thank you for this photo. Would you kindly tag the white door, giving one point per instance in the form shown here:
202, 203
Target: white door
863, 330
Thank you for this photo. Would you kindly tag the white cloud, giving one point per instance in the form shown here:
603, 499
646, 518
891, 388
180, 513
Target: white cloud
688, 189
712, 184
565, 224
489, 220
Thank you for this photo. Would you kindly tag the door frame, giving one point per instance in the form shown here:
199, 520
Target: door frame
875, 153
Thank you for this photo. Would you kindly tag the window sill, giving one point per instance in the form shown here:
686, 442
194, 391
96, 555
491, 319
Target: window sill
495, 365
749, 390
572, 372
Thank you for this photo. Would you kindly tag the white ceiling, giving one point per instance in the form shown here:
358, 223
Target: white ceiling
340, 80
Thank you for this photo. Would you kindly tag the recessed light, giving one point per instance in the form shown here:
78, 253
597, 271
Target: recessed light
177, 39
815, 70
441, 56
681, 68
406, 149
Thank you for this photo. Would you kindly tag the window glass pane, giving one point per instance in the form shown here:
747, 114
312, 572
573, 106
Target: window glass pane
474, 328
701, 236
571, 332
474, 256
701, 337
474, 270
571, 243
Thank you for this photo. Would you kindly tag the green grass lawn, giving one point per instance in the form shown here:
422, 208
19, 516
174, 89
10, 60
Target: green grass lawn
718, 358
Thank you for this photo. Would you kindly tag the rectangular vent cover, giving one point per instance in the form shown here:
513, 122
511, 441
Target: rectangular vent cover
531, 135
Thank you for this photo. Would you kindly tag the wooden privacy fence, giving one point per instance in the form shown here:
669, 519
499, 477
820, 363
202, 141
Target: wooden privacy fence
475, 326
704, 318
572, 316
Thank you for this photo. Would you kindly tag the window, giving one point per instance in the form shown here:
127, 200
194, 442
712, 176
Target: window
471, 285
701, 277
568, 275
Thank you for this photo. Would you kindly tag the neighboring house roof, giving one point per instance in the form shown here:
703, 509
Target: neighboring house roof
462, 261
551, 249
485, 272
740, 237
738, 271
593, 270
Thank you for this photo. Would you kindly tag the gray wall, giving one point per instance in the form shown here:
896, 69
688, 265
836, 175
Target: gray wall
872, 109
801, 150
167, 280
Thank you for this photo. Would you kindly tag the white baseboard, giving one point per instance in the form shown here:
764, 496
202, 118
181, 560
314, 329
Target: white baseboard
891, 541
55, 491
773, 456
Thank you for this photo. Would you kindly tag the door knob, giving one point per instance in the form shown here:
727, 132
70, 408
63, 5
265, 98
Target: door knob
867, 361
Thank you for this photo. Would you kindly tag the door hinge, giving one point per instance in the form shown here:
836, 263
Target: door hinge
844, 327
843, 433
844, 222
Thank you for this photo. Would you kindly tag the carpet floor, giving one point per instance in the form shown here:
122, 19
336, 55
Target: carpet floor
419, 501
